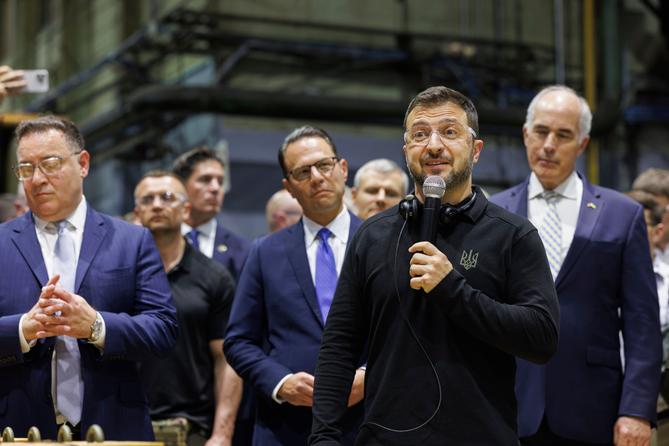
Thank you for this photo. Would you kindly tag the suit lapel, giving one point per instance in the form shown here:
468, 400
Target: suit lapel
25, 240
297, 256
94, 233
221, 248
352, 228
588, 214
518, 201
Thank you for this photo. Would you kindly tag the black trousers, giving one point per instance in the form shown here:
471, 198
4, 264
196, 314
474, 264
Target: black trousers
545, 437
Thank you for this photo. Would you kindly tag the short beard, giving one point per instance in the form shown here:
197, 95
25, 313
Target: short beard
454, 180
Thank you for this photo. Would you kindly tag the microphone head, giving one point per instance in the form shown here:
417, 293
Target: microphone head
434, 186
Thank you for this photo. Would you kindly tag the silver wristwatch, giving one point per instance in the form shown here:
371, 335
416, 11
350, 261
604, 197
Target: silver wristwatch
96, 329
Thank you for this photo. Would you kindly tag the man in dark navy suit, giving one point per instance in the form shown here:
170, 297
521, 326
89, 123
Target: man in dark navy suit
285, 291
203, 173
83, 297
597, 247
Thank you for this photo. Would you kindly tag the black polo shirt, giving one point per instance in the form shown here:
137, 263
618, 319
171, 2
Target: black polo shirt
182, 384
441, 366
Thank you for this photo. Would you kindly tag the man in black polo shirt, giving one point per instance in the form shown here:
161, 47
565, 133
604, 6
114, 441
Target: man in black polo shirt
193, 383
442, 322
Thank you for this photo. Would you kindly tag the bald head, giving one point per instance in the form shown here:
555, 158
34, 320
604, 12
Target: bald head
555, 134
282, 210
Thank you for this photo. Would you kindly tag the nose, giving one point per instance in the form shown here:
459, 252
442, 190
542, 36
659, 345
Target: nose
38, 177
381, 195
215, 184
434, 143
156, 202
550, 142
316, 175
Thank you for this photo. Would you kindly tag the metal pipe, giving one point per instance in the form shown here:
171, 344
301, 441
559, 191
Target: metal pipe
558, 38
589, 84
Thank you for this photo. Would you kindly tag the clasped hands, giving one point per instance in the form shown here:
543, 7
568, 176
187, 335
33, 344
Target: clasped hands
428, 266
298, 390
58, 313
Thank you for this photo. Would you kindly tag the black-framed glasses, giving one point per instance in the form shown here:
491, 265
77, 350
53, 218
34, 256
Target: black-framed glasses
167, 198
324, 166
48, 166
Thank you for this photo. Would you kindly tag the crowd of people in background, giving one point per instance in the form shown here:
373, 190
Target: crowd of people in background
313, 334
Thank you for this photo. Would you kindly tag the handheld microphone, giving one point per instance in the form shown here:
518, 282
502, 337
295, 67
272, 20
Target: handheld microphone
434, 188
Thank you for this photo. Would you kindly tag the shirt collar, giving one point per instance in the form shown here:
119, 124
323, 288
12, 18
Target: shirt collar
76, 219
185, 262
567, 189
207, 229
339, 226
480, 203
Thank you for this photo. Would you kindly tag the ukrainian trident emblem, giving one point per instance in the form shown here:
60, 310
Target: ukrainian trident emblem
468, 259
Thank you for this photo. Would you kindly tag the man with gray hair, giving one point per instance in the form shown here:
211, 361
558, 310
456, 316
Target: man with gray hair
378, 185
597, 247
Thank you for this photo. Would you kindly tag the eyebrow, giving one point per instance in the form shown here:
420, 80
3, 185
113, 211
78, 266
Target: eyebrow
545, 127
53, 155
441, 121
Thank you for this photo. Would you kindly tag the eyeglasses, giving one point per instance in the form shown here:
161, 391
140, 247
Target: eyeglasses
324, 166
421, 135
168, 198
48, 166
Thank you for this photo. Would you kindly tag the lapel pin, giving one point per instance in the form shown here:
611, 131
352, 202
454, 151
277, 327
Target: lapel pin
222, 248
591, 205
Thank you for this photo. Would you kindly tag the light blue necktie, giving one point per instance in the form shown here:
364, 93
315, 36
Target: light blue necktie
69, 385
551, 232
326, 273
192, 237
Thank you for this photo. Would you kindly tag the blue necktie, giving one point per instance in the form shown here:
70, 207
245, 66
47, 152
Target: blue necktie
192, 236
69, 385
326, 273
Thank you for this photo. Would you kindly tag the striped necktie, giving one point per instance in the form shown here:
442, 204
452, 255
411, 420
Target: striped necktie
551, 232
69, 384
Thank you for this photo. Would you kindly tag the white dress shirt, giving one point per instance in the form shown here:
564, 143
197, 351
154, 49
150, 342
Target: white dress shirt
340, 228
206, 238
47, 240
661, 267
568, 206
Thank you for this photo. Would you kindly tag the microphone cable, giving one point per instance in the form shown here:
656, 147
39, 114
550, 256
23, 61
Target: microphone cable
420, 344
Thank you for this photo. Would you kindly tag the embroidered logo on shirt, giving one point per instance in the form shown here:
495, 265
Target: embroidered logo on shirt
468, 259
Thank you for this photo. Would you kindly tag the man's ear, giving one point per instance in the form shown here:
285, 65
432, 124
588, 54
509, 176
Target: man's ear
477, 148
344, 167
185, 212
84, 162
288, 186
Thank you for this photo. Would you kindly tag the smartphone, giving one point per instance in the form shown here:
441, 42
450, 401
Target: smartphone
37, 81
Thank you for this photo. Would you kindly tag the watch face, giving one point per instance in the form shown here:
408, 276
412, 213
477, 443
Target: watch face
95, 329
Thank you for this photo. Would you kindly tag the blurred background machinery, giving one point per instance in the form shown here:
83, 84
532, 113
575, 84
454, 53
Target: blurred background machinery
147, 80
